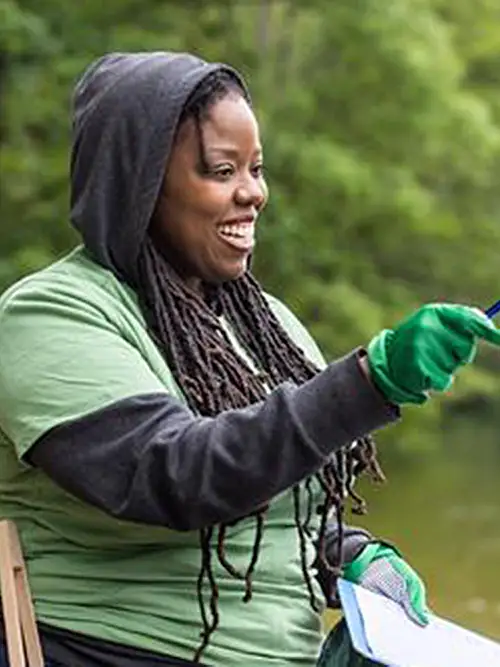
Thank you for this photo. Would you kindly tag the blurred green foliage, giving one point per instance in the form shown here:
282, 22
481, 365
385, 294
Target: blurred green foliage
381, 123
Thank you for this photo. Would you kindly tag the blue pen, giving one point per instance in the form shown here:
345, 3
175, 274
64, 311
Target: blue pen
493, 310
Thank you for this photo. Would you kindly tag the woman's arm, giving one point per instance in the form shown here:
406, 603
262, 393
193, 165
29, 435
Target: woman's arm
147, 458
354, 541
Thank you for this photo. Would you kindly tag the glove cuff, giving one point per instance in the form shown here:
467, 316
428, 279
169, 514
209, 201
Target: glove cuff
379, 369
354, 570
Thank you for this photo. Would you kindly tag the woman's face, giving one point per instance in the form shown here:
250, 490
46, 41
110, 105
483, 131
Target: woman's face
206, 215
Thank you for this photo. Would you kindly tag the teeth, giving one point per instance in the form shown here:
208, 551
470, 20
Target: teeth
240, 231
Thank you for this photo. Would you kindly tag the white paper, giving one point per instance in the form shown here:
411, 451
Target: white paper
398, 642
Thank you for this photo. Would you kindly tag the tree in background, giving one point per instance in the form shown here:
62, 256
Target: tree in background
381, 123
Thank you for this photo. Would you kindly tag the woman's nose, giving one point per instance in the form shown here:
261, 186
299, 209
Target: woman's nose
253, 192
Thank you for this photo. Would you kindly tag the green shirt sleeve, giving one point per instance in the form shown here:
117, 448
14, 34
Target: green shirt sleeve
62, 356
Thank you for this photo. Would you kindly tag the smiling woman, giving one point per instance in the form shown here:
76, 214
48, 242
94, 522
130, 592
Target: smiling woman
213, 189
174, 449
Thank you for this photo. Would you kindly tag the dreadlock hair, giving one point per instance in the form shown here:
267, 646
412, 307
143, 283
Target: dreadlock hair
214, 378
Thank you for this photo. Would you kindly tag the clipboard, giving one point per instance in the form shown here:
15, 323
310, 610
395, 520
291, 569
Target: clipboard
380, 630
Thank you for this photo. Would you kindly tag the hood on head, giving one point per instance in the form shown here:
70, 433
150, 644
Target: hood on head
126, 109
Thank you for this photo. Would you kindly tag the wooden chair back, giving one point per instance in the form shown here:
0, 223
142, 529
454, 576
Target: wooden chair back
21, 632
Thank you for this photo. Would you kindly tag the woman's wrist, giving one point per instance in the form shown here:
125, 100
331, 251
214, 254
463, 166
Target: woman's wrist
364, 365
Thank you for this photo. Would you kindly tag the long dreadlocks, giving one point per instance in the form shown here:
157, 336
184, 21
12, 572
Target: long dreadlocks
214, 378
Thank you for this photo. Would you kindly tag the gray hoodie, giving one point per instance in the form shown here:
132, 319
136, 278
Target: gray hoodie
126, 111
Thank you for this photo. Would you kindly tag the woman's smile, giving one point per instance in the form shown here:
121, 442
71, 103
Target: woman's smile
238, 235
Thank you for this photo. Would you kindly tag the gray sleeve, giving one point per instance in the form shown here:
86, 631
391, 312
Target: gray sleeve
149, 459
354, 541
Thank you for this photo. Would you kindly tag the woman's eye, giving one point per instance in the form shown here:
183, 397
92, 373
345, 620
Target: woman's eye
258, 170
223, 172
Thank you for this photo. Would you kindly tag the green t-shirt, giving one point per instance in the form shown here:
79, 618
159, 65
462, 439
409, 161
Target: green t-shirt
72, 341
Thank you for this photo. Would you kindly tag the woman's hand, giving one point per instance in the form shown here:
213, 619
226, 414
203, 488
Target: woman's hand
422, 353
380, 569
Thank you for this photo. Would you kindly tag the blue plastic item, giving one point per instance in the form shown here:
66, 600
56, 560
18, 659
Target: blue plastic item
493, 310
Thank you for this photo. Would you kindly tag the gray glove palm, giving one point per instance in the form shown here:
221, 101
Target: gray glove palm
379, 568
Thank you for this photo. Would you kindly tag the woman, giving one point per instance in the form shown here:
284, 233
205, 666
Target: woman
172, 442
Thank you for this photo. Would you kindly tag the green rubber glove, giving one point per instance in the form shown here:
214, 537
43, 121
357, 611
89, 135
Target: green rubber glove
422, 353
380, 569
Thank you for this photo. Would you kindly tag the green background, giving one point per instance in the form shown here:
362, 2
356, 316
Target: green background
381, 123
